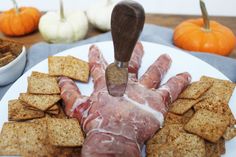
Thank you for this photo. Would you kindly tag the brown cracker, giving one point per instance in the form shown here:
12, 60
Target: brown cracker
56, 65
166, 134
212, 149
187, 115
61, 114
69, 66
40, 102
160, 150
39, 74
54, 107
180, 106
43, 85
230, 133
8, 139
65, 132
33, 139
17, 111
172, 118
76, 69
208, 125
220, 88
195, 90
214, 104
189, 145
222, 145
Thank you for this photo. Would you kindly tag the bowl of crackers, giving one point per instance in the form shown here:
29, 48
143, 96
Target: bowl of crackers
12, 61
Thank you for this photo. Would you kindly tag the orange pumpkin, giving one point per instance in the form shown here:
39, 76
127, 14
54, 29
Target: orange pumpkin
204, 35
19, 21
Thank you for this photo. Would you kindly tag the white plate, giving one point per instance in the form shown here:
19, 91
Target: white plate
181, 62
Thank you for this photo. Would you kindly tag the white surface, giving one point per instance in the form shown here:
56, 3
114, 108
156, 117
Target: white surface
10, 72
215, 7
181, 62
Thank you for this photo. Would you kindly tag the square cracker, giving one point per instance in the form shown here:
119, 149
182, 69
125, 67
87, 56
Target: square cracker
220, 88
55, 107
39, 74
180, 106
61, 114
215, 149
32, 139
56, 65
215, 104
43, 85
160, 150
40, 102
8, 140
230, 133
17, 111
189, 145
195, 90
65, 132
76, 69
208, 125
172, 118
69, 66
166, 134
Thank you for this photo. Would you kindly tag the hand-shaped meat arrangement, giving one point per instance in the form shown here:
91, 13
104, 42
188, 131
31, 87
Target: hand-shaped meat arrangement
120, 126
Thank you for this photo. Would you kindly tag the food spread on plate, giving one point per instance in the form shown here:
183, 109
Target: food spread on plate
197, 116
9, 50
198, 122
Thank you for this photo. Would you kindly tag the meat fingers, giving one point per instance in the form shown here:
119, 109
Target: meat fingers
97, 65
75, 103
135, 61
155, 73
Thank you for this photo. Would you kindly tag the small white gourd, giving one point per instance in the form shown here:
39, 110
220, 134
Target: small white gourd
57, 27
99, 15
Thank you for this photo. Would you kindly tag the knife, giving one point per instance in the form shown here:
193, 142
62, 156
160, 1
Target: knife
127, 22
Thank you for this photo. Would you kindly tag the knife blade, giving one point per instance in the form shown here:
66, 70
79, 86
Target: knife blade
127, 22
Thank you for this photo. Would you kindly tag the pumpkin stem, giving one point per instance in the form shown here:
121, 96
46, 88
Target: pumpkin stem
62, 10
205, 15
15, 6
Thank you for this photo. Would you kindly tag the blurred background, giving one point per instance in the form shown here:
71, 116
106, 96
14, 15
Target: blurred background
180, 7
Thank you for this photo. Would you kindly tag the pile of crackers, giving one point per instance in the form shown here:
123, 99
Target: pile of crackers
197, 123
9, 50
37, 123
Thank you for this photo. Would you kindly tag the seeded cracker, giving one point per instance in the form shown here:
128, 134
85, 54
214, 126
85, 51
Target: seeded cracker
220, 88
208, 125
195, 90
40, 102
8, 140
39, 74
189, 145
33, 139
215, 104
180, 106
54, 109
43, 85
230, 133
172, 118
17, 111
76, 69
160, 150
56, 65
213, 149
65, 132
69, 66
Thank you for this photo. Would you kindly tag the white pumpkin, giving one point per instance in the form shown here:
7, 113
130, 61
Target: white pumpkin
99, 14
57, 27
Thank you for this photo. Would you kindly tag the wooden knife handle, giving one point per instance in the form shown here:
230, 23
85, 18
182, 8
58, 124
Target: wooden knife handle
127, 22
